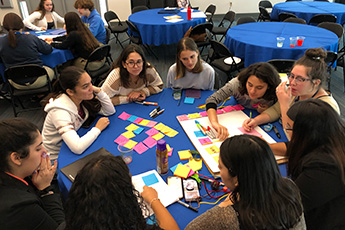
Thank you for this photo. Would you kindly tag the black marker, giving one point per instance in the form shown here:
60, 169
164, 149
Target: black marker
276, 131
187, 206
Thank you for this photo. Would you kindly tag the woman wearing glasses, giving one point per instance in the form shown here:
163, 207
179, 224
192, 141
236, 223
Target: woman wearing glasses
305, 81
131, 78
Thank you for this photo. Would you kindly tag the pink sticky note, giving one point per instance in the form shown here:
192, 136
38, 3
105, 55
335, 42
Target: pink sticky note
138, 120
140, 148
182, 117
150, 142
238, 107
191, 172
203, 114
205, 141
152, 132
253, 132
121, 140
228, 108
219, 111
151, 124
124, 116
170, 153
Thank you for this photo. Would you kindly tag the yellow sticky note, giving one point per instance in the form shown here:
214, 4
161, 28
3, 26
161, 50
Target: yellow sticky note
144, 122
158, 136
168, 148
182, 171
216, 158
159, 126
172, 133
130, 144
195, 164
132, 127
166, 129
128, 134
212, 150
194, 115
184, 155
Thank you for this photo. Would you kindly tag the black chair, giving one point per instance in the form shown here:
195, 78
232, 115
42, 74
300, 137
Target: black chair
221, 29
243, 20
135, 37
263, 15
318, 18
139, 8
219, 59
210, 10
296, 20
330, 59
154, 4
170, 3
99, 55
135, 3
115, 25
203, 29
25, 75
266, 4
282, 65
108, 34
334, 27
284, 15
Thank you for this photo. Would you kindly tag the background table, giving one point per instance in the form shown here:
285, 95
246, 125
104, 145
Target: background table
307, 9
257, 42
154, 29
147, 160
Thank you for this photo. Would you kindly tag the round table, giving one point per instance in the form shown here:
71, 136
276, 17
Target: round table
257, 42
307, 9
154, 29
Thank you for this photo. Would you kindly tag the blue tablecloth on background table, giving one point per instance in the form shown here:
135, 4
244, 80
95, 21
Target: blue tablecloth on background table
147, 160
307, 9
257, 42
154, 29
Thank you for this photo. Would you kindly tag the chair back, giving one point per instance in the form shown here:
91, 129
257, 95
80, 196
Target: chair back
171, 3
266, 4
210, 10
25, 74
282, 65
99, 54
243, 20
220, 50
139, 8
108, 33
318, 18
334, 27
229, 16
296, 20
135, 36
201, 28
110, 15
284, 15
154, 4
264, 15
135, 3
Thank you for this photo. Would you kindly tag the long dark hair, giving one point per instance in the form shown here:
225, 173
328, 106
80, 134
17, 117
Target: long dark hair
266, 73
16, 135
41, 9
69, 79
103, 197
316, 127
118, 63
265, 200
74, 23
12, 23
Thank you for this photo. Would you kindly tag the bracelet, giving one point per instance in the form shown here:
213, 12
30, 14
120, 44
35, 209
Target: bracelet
154, 199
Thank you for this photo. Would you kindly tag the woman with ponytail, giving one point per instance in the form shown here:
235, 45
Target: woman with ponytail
73, 100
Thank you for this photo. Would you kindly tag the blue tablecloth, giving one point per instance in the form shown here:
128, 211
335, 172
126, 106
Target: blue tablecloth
257, 42
147, 161
307, 9
154, 29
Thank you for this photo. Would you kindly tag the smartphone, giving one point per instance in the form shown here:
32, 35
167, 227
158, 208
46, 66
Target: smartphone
190, 190
175, 184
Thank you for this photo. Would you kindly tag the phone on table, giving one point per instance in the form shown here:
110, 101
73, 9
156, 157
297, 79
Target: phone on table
175, 184
190, 190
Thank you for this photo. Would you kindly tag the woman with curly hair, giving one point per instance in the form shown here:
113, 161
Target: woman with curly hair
44, 17
103, 197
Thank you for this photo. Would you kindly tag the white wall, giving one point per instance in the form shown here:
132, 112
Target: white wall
15, 9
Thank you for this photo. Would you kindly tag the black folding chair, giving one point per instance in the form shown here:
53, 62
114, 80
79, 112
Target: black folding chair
115, 25
246, 19
318, 18
284, 15
221, 29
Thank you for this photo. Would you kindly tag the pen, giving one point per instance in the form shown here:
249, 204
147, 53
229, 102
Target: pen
146, 103
158, 113
200, 127
187, 205
250, 116
213, 136
276, 131
153, 112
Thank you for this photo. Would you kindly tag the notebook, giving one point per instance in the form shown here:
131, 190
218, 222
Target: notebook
72, 169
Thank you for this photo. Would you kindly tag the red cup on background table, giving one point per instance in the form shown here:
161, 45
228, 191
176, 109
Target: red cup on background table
293, 41
300, 40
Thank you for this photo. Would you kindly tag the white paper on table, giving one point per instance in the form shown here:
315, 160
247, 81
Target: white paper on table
48, 36
174, 20
185, 10
198, 14
165, 195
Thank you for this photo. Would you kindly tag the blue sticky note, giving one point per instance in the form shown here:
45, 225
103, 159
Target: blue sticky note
132, 118
150, 179
138, 130
174, 167
199, 134
189, 100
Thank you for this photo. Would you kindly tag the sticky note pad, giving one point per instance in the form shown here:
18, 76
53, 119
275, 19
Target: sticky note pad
132, 118
132, 127
121, 140
166, 129
182, 171
144, 122
195, 164
184, 155
124, 116
130, 144
138, 120
172, 133
216, 158
253, 132
212, 150
172, 169
170, 153
140, 148
205, 141
194, 115
138, 130
182, 117
158, 136
168, 148
152, 132
203, 114
128, 134
238, 107
150, 179
151, 124
228, 108
150, 142
159, 126
189, 100
219, 111
199, 134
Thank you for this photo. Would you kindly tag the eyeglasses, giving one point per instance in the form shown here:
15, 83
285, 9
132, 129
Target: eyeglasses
131, 64
298, 79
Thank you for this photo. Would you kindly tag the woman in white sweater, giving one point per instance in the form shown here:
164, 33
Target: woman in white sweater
74, 99
44, 17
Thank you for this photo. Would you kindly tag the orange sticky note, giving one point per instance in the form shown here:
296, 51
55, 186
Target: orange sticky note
158, 136
184, 155
182, 171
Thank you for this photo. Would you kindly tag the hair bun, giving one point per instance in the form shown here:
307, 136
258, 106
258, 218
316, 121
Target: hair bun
317, 54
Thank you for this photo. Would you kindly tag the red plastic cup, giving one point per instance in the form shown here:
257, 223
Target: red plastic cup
300, 40
293, 41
